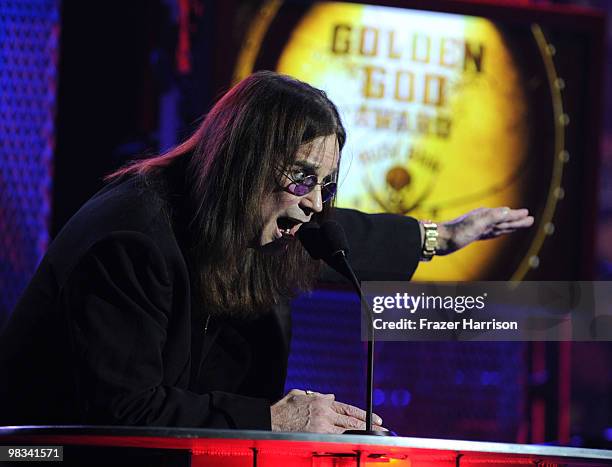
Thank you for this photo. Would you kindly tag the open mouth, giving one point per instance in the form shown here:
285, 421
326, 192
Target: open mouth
287, 226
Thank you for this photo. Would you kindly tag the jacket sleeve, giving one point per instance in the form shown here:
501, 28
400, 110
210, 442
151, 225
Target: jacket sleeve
118, 302
383, 247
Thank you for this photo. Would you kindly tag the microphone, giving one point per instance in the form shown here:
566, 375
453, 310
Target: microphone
328, 242
334, 237
309, 235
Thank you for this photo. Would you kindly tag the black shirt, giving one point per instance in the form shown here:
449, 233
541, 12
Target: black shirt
105, 332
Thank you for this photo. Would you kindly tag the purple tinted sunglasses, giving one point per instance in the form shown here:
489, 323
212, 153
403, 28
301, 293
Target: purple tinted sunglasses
301, 186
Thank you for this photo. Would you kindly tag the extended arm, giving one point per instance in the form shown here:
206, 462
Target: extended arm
388, 246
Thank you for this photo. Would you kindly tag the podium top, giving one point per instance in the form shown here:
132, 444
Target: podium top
189, 438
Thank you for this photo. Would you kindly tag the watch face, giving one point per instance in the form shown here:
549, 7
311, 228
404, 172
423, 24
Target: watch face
430, 245
444, 113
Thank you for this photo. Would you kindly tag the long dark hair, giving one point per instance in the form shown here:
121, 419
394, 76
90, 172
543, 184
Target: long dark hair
229, 166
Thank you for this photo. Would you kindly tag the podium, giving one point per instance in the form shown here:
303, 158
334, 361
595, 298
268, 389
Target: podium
139, 446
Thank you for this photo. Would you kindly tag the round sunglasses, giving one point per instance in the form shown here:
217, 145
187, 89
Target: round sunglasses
302, 185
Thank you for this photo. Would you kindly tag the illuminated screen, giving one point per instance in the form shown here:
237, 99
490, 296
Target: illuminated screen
444, 112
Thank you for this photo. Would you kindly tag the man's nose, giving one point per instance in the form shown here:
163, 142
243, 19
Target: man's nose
312, 201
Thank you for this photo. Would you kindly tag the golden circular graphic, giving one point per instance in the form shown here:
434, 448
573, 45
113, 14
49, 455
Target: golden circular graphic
437, 115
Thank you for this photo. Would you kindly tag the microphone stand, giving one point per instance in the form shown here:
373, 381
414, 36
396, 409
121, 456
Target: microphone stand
348, 272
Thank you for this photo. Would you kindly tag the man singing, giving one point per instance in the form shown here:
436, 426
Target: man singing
162, 302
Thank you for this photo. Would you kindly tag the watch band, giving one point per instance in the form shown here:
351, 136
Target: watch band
430, 243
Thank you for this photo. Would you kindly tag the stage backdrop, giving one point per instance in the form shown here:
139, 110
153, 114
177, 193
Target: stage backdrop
29, 39
449, 112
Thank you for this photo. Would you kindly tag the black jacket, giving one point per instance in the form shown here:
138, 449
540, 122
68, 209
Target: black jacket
105, 332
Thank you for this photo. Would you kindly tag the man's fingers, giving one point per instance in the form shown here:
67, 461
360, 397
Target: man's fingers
379, 428
336, 429
351, 423
508, 215
348, 422
517, 224
355, 412
346, 409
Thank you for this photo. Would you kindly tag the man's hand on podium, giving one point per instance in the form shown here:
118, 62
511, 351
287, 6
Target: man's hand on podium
308, 411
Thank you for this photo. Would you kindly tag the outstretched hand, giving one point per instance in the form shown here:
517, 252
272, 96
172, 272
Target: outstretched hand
480, 224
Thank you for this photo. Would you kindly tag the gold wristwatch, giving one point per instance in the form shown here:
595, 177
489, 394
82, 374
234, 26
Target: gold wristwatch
430, 242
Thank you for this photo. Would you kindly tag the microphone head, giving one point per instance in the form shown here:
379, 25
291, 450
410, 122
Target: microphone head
309, 235
334, 238
327, 242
